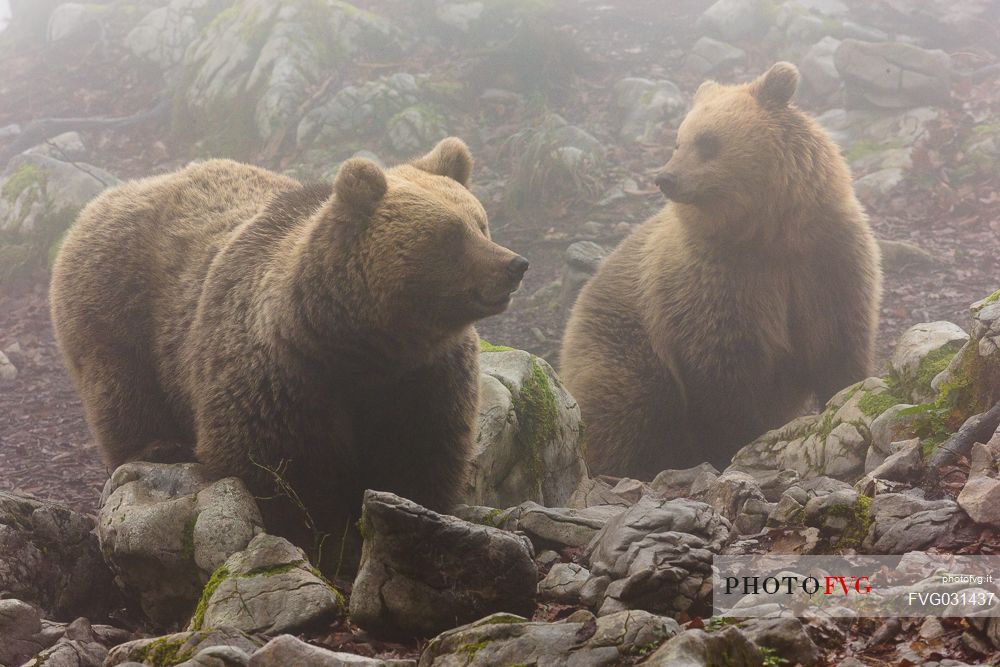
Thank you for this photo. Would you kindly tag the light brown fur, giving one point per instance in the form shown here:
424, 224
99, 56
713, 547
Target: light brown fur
324, 331
757, 286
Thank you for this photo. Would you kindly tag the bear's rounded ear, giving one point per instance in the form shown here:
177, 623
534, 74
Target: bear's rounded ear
451, 158
360, 184
774, 89
704, 88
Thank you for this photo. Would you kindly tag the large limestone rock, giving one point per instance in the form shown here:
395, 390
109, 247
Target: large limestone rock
422, 572
39, 199
164, 529
923, 351
268, 588
645, 105
528, 447
893, 74
165, 33
286, 650
181, 647
697, 648
900, 523
504, 639
657, 556
49, 556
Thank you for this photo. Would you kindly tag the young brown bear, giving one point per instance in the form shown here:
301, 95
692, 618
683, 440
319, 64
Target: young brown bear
758, 285
323, 332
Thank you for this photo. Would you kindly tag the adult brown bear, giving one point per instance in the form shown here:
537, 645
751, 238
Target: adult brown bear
320, 332
756, 286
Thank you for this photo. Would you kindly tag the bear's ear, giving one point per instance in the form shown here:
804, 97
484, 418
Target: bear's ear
451, 158
704, 88
360, 184
775, 88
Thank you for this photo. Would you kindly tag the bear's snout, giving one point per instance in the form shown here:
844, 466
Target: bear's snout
667, 183
516, 268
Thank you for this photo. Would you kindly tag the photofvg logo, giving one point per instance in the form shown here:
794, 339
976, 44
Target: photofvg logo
916, 584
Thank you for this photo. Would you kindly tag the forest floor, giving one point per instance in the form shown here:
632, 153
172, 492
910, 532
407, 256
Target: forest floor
45, 447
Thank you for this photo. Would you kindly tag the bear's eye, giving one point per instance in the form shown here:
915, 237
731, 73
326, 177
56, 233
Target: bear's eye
707, 145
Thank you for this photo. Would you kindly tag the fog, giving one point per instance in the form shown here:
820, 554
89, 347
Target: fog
571, 112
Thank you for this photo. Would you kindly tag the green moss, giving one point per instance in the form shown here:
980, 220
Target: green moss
866, 147
486, 346
221, 574
771, 657
24, 177
492, 518
165, 652
872, 404
992, 298
859, 520
537, 415
825, 426
503, 619
933, 364
470, 650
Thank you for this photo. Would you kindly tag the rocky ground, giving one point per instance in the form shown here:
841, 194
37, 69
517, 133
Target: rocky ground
569, 107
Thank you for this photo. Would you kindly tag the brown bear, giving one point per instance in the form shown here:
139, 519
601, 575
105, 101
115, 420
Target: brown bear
757, 286
321, 334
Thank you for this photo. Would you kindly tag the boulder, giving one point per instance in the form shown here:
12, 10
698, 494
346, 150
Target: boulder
645, 105
710, 55
737, 496
736, 19
80, 646
286, 650
923, 351
528, 446
267, 588
165, 33
165, 528
562, 526
422, 572
50, 557
503, 639
697, 648
893, 74
900, 524
181, 647
581, 262
8, 371
564, 583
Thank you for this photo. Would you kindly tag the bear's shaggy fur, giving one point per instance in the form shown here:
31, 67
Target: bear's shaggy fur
320, 332
757, 286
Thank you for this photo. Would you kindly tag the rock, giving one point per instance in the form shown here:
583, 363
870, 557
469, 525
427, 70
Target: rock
645, 105
179, 647
79, 646
819, 73
980, 498
580, 263
842, 517
788, 511
737, 496
672, 484
594, 493
21, 633
8, 371
39, 199
658, 556
422, 572
73, 18
49, 556
787, 637
528, 447
905, 464
564, 583
894, 425
563, 527
286, 650
878, 183
736, 19
268, 588
894, 74
901, 523
923, 351
710, 55
258, 63
415, 129
579, 640
897, 255
697, 648
165, 33
164, 529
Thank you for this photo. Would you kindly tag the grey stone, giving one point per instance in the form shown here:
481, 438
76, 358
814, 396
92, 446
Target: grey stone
581, 262
980, 498
672, 484
737, 496
73, 18
182, 644
787, 637
528, 446
894, 74
268, 588
645, 105
8, 371
658, 555
581, 639
819, 74
906, 464
564, 583
710, 55
922, 343
595, 492
878, 183
165, 33
21, 634
838, 516
165, 528
787, 512
414, 129
894, 425
563, 526
422, 572
79, 646
50, 557
286, 650
901, 523
736, 19
697, 648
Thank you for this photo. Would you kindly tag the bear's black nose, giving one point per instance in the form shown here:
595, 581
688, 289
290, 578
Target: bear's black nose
667, 182
517, 267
